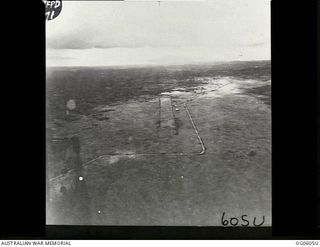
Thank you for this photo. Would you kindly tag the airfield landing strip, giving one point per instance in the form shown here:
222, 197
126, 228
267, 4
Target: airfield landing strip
153, 173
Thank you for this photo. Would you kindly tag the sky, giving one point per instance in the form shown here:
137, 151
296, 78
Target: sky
110, 33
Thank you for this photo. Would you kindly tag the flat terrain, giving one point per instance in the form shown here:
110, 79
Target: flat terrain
141, 133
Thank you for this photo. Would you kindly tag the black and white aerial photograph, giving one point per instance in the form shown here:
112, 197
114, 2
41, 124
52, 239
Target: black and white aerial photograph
158, 113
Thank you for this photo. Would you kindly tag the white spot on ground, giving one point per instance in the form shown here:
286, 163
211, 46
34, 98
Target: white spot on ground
113, 159
71, 104
80, 178
176, 93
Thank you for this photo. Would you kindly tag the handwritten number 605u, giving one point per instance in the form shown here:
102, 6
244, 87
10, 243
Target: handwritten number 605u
244, 221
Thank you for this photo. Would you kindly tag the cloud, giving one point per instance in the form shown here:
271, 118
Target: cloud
101, 24
144, 32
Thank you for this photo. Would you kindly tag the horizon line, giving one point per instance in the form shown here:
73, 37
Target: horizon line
157, 65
